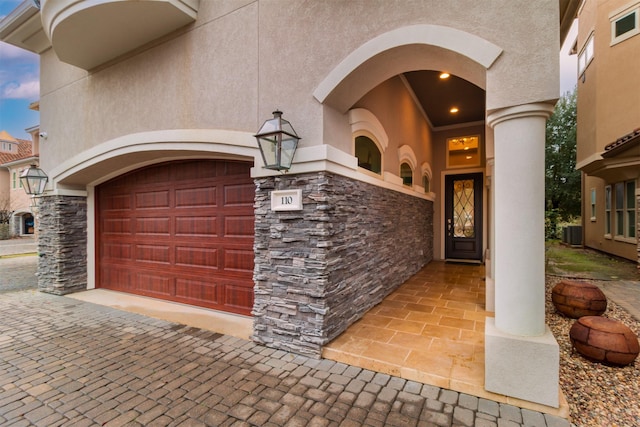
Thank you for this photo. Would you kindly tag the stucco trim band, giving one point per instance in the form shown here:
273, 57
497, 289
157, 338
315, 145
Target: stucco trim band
241, 145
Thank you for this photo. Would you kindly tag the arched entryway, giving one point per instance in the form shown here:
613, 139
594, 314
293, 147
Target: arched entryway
515, 130
431, 327
28, 224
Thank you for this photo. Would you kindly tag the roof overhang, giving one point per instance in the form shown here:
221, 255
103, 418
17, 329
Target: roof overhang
23, 28
568, 13
619, 161
87, 34
24, 161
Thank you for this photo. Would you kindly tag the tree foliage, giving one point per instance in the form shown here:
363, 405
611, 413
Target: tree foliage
562, 180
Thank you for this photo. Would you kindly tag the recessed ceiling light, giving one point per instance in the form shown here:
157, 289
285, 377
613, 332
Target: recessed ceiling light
454, 110
444, 75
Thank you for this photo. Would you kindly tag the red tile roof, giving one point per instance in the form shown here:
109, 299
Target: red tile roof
24, 152
623, 140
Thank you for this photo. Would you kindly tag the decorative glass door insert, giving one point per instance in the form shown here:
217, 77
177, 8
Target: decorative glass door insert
463, 208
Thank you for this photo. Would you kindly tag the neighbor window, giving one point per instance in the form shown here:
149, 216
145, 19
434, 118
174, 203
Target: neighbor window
368, 154
586, 56
607, 209
619, 209
593, 204
14, 179
624, 25
630, 208
406, 173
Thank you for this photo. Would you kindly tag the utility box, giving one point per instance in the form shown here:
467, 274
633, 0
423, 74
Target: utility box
572, 235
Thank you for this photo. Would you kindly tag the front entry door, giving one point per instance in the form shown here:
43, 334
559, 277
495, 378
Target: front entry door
463, 217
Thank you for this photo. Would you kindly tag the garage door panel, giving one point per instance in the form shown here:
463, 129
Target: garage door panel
239, 260
117, 226
156, 254
239, 226
115, 251
148, 283
152, 199
118, 202
196, 226
193, 291
235, 168
196, 197
197, 257
239, 194
199, 170
150, 176
153, 225
119, 279
237, 296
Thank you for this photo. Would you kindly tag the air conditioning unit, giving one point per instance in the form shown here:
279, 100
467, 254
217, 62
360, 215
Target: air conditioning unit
572, 235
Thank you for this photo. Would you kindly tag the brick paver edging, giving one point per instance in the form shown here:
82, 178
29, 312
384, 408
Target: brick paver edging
66, 362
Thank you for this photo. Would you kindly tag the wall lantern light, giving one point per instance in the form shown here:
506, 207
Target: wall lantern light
34, 180
277, 142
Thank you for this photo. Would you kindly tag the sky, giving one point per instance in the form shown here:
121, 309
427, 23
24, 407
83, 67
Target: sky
20, 85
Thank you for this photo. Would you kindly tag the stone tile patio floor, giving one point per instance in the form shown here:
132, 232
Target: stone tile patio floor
69, 362
431, 330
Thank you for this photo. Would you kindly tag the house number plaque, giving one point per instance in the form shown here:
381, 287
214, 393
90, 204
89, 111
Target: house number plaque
286, 200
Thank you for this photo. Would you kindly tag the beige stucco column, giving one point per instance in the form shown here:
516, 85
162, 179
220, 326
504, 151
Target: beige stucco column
522, 356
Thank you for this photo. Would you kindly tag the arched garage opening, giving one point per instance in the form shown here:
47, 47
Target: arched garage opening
180, 231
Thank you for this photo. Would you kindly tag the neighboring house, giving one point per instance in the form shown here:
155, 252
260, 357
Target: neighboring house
15, 156
157, 186
608, 150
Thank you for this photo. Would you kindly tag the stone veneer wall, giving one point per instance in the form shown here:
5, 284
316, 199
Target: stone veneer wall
320, 269
62, 244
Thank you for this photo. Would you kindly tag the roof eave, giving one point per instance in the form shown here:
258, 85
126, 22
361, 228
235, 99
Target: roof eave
23, 28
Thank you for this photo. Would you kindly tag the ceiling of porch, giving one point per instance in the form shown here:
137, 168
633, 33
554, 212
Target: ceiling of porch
437, 96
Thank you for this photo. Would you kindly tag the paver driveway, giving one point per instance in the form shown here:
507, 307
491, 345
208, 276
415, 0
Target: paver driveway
65, 362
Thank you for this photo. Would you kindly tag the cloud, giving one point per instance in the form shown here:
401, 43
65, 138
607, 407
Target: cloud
19, 73
25, 90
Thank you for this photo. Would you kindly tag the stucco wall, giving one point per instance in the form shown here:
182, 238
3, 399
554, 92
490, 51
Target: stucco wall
5, 182
608, 106
241, 60
20, 200
594, 236
403, 123
617, 74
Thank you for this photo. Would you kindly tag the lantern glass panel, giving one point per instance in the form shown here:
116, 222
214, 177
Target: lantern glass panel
289, 145
269, 150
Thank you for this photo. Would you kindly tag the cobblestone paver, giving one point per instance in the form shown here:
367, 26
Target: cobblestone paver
65, 362
18, 272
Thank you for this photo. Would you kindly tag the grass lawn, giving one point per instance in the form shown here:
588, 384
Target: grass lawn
562, 260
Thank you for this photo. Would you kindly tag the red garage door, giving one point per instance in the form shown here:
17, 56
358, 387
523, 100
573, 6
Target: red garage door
180, 231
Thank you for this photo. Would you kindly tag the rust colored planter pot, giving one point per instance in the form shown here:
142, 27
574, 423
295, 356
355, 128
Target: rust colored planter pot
576, 299
604, 340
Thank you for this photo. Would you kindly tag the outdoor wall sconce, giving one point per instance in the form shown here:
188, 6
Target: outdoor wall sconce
277, 142
34, 180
